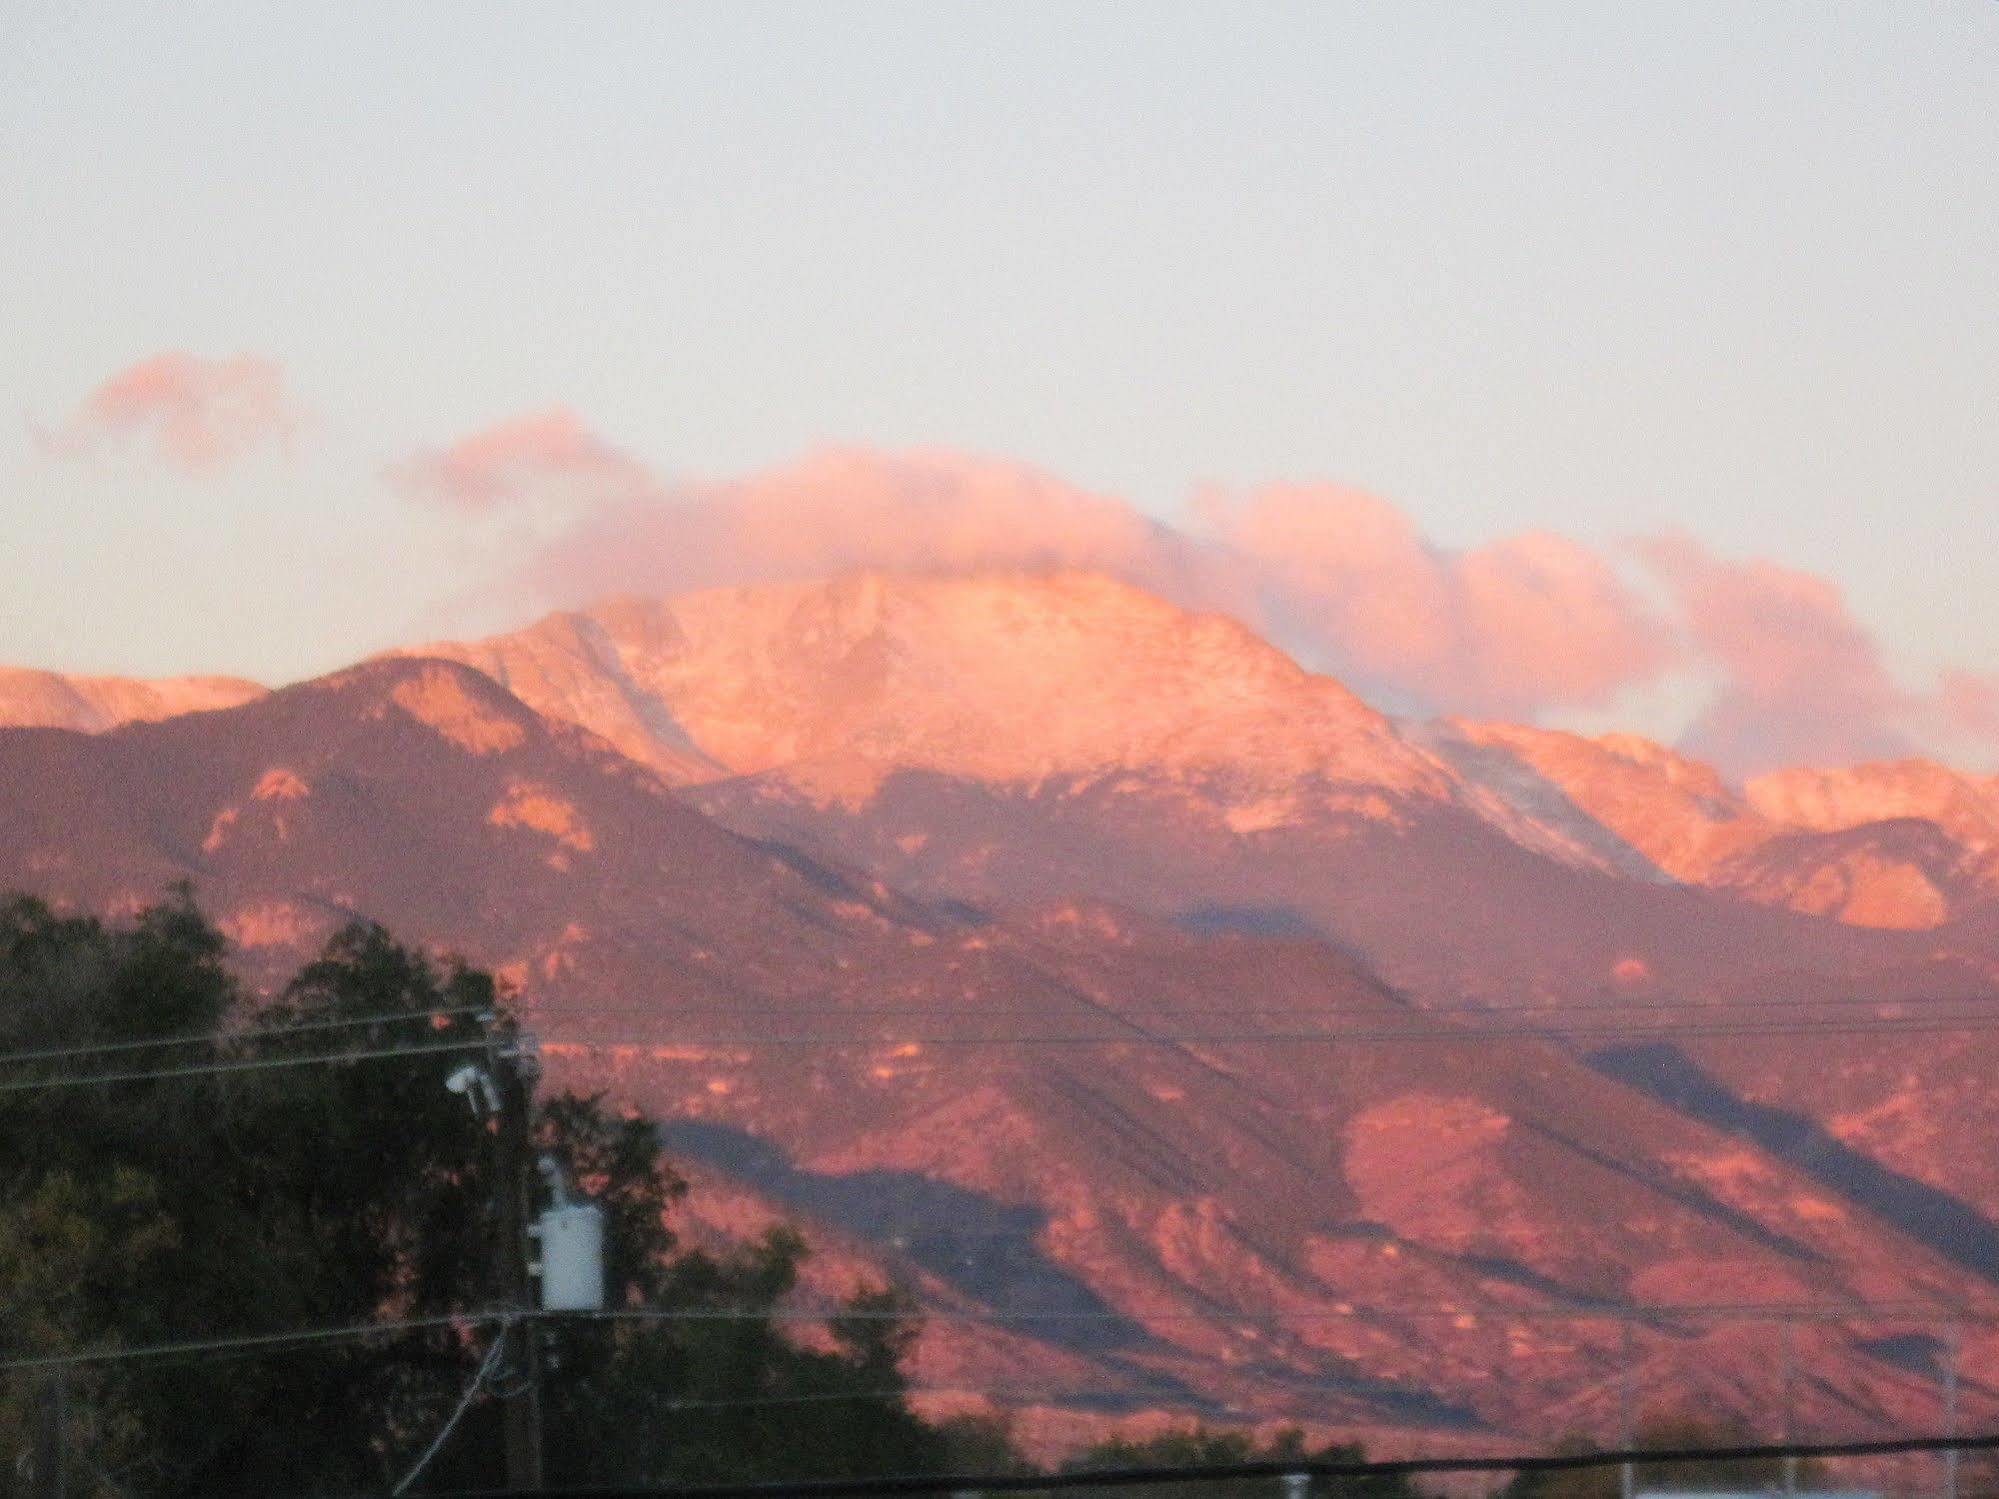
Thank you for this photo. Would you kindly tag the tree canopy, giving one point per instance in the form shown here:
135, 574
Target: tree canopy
1665, 1433
170, 1180
1200, 1446
158, 1210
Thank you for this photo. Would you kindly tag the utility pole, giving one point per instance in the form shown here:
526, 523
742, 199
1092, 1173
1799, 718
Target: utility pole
1627, 1431
1954, 1352
514, 1070
49, 1478
1790, 1404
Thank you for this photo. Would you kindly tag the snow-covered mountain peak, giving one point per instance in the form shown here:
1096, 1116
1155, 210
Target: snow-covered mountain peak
1029, 683
1006, 677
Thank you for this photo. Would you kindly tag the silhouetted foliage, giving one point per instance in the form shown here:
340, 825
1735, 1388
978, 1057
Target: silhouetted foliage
1665, 1433
158, 1210
1203, 1447
145, 1210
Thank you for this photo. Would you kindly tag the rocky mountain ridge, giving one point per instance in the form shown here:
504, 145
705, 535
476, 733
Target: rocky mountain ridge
1014, 682
1200, 1165
823, 691
60, 700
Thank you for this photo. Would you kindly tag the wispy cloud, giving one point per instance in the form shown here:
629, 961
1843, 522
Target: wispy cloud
534, 456
192, 414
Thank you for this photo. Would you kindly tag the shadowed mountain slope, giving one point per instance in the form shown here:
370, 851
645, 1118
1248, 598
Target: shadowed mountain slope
1074, 1020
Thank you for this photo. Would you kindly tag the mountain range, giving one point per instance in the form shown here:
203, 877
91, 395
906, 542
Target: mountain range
56, 700
823, 693
1192, 1036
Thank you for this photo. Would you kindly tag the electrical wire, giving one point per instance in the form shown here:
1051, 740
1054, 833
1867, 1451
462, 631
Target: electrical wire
843, 1397
472, 1388
247, 1033
997, 1394
1983, 1011
1878, 1311
1279, 1468
748, 1402
1449, 1035
559, 1012
259, 1064
1924, 1312
254, 1341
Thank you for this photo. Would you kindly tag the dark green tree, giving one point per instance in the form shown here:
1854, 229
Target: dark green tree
719, 1392
1668, 1433
158, 1210
1200, 1446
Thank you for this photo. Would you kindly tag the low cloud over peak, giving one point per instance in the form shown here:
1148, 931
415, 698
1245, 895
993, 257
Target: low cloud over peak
1800, 680
192, 414
1969, 704
1520, 627
844, 508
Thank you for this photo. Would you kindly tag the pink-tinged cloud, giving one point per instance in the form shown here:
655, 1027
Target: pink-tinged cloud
842, 509
1516, 627
538, 455
1521, 626
1524, 625
1801, 682
192, 414
1969, 704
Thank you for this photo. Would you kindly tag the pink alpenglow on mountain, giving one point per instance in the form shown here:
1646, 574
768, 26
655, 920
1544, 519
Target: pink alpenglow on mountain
48, 699
952, 675
830, 695
1215, 1220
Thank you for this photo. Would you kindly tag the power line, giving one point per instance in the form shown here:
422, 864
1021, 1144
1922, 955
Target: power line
1449, 1035
472, 1388
1350, 1469
1928, 1312
1984, 1012
1881, 1311
259, 1064
253, 1341
247, 1033
558, 1012
842, 1397
998, 1394
846, 1397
